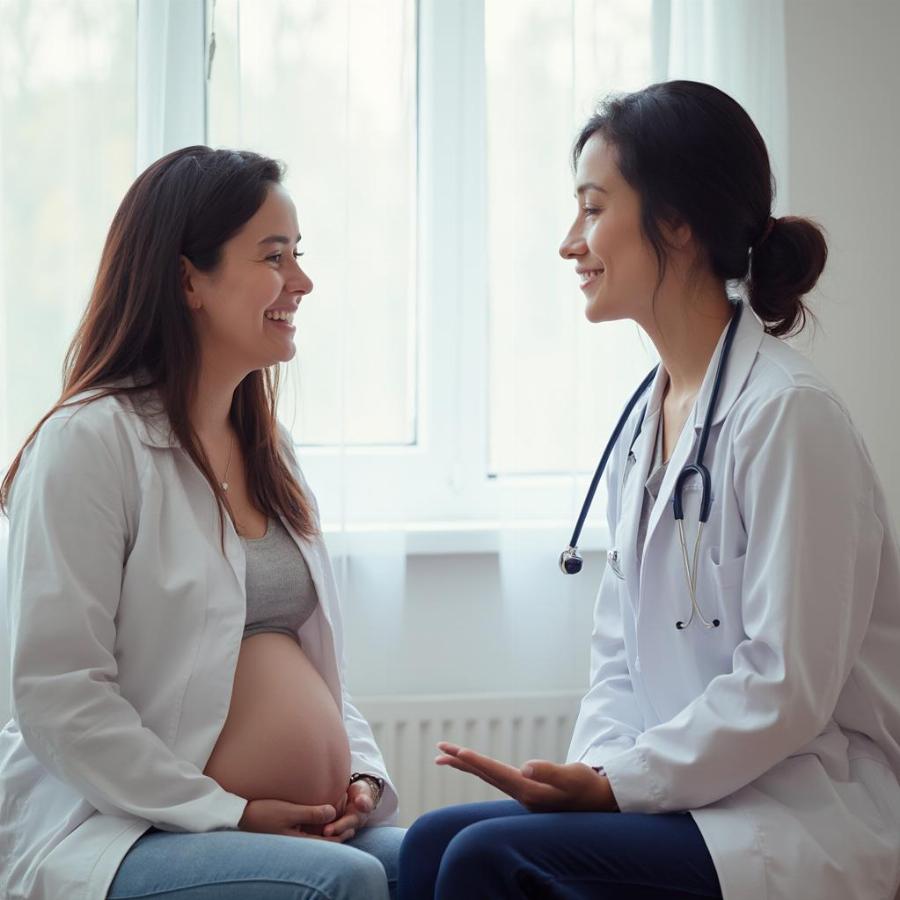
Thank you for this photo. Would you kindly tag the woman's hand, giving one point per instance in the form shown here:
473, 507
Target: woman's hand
540, 786
358, 807
280, 817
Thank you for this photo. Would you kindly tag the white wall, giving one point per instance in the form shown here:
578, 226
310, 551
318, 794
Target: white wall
466, 624
843, 83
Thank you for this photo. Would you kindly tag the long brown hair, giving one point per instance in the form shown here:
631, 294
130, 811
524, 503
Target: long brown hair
137, 336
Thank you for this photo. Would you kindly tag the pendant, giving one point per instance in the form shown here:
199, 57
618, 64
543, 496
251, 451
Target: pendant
224, 485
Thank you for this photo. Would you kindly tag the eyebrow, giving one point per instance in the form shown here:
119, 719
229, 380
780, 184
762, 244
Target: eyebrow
278, 239
591, 186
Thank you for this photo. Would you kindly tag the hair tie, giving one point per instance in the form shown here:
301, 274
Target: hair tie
770, 224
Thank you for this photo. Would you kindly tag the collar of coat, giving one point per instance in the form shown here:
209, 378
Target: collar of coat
749, 336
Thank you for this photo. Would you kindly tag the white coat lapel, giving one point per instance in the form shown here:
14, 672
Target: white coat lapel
681, 456
749, 336
743, 354
635, 477
235, 554
154, 430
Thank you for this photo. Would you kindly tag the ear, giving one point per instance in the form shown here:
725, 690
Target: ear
677, 234
188, 274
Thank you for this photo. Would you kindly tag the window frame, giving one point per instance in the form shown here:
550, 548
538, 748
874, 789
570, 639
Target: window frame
443, 477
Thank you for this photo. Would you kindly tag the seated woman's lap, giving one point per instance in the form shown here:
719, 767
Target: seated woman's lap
230, 864
500, 850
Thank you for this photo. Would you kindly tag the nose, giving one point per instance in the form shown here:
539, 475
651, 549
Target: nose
573, 244
298, 282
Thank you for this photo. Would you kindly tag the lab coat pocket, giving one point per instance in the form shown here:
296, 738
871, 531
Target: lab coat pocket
729, 572
719, 590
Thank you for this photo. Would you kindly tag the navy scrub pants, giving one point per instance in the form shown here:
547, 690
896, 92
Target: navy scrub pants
500, 850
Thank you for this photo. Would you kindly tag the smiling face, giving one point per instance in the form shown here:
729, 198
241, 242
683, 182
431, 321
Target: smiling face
614, 260
245, 306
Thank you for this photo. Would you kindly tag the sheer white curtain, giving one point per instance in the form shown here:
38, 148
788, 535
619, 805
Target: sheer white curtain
430, 162
559, 382
584, 51
738, 46
328, 86
448, 397
67, 107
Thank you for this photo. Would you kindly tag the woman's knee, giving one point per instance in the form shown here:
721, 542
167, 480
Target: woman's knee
358, 876
429, 834
422, 850
438, 827
247, 866
477, 855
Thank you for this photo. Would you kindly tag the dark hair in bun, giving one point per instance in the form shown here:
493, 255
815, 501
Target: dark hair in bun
695, 156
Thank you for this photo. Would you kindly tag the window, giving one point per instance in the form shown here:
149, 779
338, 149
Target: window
67, 145
444, 352
556, 384
444, 368
329, 87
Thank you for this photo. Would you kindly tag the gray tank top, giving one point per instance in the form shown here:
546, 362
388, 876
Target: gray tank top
281, 595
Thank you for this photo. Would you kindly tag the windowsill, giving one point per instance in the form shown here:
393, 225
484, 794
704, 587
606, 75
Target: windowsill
457, 538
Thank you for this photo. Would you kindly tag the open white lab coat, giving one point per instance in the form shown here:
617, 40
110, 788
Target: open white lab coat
779, 731
126, 619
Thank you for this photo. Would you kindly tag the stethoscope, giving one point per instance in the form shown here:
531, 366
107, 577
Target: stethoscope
570, 561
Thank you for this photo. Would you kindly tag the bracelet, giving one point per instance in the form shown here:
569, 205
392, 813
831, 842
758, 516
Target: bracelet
374, 782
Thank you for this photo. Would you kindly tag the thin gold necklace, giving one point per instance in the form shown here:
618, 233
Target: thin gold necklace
224, 482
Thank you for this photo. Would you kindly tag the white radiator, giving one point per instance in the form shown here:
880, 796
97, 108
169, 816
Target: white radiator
512, 728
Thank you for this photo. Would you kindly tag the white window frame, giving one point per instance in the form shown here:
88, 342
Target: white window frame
437, 490
171, 87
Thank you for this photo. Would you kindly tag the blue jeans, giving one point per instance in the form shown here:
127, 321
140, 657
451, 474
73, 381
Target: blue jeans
241, 865
500, 850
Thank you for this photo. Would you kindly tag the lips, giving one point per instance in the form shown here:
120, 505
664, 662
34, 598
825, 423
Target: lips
589, 276
280, 315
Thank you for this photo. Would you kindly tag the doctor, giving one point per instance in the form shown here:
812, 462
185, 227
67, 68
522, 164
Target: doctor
771, 713
181, 727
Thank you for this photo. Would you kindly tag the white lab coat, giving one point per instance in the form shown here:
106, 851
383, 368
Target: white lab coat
780, 730
126, 622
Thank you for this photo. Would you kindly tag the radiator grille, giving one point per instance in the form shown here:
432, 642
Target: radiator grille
512, 728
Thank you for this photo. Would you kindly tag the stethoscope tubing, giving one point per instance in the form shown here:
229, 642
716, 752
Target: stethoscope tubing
611, 443
697, 468
570, 562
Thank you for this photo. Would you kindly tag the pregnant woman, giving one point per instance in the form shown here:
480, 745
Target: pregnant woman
180, 725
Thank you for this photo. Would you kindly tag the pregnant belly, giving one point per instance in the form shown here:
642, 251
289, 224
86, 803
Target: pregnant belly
284, 738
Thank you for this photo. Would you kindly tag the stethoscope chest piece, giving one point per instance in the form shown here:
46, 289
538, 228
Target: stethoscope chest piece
570, 561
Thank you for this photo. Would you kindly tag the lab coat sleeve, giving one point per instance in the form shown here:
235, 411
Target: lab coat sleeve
68, 543
365, 756
609, 720
364, 753
806, 487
